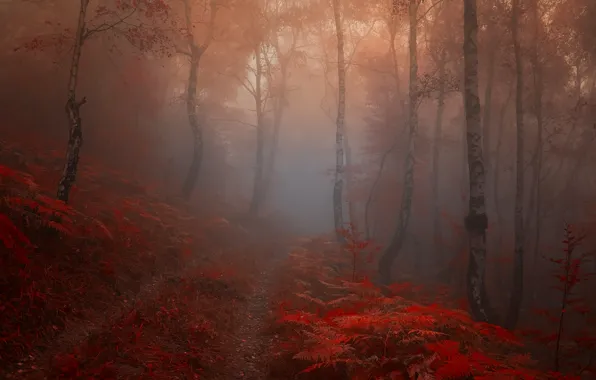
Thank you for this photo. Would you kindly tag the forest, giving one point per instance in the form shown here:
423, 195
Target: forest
298, 189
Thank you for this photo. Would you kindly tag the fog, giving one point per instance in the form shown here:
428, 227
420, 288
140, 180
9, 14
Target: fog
405, 179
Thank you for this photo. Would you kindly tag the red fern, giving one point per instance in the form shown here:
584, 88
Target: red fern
356, 327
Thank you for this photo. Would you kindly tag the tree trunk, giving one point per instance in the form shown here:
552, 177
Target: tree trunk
257, 195
73, 108
350, 180
392, 26
392, 251
278, 113
195, 126
538, 90
488, 96
195, 53
437, 136
476, 221
340, 124
518, 269
191, 107
496, 178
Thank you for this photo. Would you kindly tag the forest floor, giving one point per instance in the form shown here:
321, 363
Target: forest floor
121, 284
248, 347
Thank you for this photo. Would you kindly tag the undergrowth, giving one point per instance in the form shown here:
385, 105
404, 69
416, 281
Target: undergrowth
570, 330
338, 328
116, 284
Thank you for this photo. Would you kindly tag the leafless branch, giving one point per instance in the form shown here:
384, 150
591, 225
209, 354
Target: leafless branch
357, 43
107, 26
429, 9
243, 82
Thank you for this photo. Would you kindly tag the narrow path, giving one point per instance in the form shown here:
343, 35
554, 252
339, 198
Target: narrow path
248, 348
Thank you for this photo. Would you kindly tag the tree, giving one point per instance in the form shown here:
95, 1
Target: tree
392, 251
518, 270
440, 59
278, 53
537, 79
394, 104
260, 104
195, 52
289, 18
476, 221
73, 105
491, 58
338, 183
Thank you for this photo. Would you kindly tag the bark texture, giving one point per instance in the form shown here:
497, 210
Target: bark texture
73, 112
476, 221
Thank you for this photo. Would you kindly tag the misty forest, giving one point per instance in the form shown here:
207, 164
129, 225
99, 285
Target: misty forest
298, 189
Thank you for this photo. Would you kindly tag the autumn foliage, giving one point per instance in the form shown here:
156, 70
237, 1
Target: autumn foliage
339, 328
570, 335
119, 283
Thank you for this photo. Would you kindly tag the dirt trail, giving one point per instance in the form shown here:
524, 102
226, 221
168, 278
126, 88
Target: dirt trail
248, 349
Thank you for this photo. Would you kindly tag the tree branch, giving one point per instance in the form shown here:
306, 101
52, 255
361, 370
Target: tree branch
429, 9
105, 26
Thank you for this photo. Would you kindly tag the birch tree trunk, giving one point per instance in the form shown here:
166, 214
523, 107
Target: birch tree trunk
392, 251
73, 111
476, 221
340, 124
516, 298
